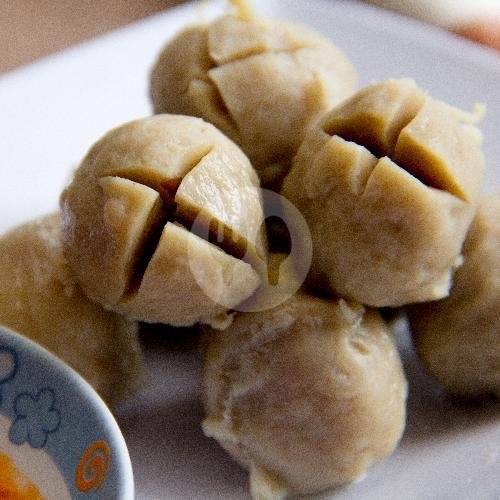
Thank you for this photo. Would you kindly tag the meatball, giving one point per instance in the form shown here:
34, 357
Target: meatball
40, 299
163, 222
262, 82
458, 338
388, 182
306, 395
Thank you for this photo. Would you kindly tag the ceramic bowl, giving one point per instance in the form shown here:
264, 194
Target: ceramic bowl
57, 437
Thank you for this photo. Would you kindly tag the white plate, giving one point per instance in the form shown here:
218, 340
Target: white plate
52, 111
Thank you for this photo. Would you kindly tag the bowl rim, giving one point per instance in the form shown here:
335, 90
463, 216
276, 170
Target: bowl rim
88, 393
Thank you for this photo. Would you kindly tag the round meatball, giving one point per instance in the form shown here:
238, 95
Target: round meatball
260, 81
458, 338
388, 182
40, 299
163, 222
306, 395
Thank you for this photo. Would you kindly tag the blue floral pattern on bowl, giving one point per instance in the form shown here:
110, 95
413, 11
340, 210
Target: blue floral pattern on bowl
36, 418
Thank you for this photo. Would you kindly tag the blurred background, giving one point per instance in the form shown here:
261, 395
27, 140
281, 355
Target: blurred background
30, 29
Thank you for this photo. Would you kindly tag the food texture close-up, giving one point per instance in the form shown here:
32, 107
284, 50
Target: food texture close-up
262, 82
127, 215
388, 183
458, 337
267, 235
307, 395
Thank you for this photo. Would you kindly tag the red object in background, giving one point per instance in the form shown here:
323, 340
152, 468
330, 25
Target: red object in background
486, 32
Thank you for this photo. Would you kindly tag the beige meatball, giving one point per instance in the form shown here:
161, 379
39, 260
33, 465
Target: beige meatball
458, 339
388, 182
163, 222
306, 395
40, 299
262, 82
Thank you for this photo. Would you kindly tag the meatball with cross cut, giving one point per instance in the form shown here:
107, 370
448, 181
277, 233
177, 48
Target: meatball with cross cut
261, 81
163, 222
388, 182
